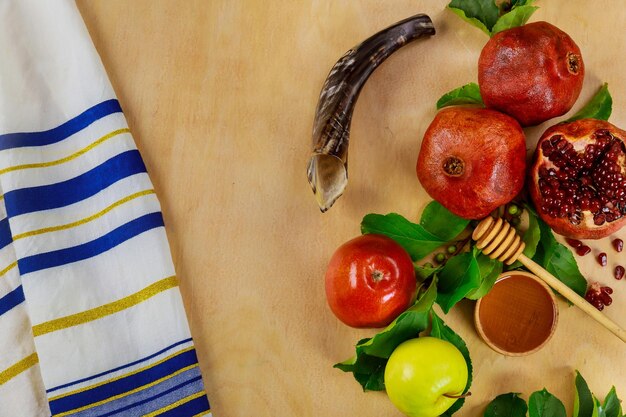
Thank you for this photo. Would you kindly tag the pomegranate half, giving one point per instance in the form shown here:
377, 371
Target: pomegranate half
472, 160
578, 179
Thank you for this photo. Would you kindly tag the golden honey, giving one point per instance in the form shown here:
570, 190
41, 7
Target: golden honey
518, 315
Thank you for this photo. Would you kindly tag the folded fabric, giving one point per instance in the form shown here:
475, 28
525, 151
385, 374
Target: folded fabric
91, 318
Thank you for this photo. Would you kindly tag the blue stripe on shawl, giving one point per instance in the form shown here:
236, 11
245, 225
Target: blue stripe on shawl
11, 300
125, 384
150, 399
44, 197
90, 249
78, 123
5, 233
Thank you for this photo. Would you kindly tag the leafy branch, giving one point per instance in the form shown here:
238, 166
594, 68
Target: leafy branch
544, 404
469, 273
491, 18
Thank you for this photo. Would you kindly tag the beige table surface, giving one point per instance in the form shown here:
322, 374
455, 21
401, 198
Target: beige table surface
220, 96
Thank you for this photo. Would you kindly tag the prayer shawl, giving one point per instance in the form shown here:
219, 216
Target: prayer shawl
91, 318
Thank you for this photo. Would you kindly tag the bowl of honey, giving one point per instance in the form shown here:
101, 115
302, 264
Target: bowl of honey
518, 316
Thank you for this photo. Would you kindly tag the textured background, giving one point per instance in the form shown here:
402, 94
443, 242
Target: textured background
220, 96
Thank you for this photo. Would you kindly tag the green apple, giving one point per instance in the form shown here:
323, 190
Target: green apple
424, 375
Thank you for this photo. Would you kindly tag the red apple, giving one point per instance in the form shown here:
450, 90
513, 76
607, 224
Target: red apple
370, 280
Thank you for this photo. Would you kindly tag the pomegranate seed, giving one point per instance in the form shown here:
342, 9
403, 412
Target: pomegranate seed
583, 250
594, 206
599, 219
607, 290
619, 272
599, 296
602, 259
618, 244
606, 299
574, 243
594, 299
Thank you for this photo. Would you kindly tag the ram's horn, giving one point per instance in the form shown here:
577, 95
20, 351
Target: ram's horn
328, 167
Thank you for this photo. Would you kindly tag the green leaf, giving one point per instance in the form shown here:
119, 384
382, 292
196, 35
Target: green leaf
468, 94
518, 16
481, 13
543, 404
459, 277
599, 107
584, 404
612, 406
368, 365
439, 221
424, 272
368, 370
471, 20
440, 330
412, 237
506, 405
452, 273
490, 270
598, 406
559, 260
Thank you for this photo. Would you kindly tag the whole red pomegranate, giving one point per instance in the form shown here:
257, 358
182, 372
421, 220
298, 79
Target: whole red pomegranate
472, 160
370, 280
578, 178
532, 72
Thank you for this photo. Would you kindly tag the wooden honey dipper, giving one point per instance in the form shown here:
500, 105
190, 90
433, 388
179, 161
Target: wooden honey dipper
498, 240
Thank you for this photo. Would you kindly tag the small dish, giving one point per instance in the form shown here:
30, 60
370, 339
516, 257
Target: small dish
518, 316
